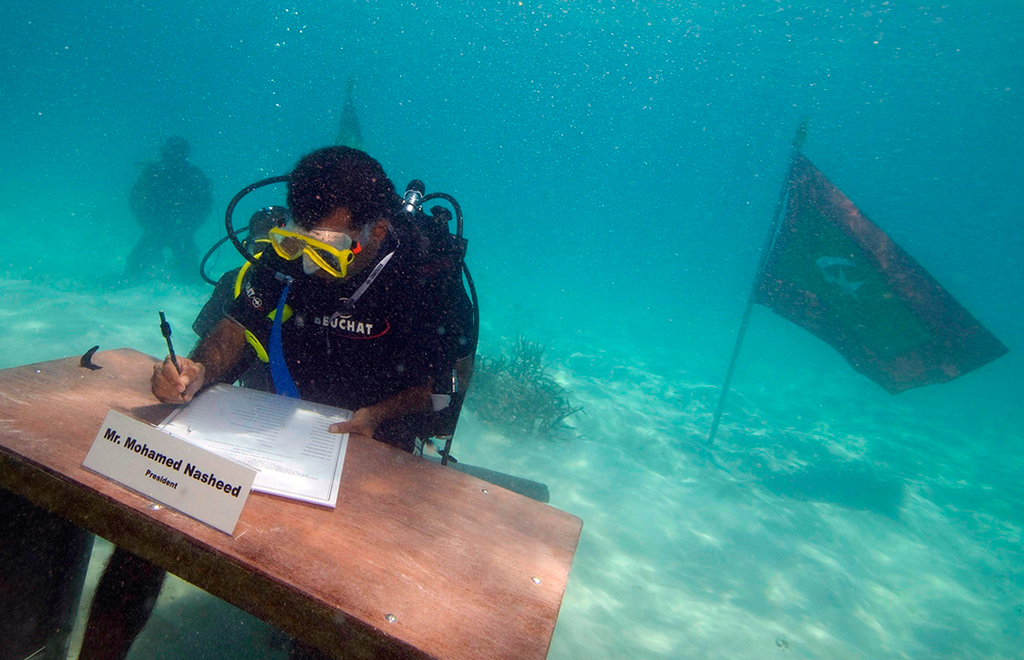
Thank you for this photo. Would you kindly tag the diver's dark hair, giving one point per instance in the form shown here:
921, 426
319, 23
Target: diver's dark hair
335, 177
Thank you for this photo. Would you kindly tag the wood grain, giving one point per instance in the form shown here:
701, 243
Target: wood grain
416, 561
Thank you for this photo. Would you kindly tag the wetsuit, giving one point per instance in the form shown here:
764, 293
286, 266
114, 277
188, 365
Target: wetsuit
394, 336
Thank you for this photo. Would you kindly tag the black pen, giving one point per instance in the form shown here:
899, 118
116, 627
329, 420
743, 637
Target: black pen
165, 328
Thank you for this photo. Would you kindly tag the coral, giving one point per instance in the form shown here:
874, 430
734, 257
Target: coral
516, 394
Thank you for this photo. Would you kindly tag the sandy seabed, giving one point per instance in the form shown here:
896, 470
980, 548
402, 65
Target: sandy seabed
829, 521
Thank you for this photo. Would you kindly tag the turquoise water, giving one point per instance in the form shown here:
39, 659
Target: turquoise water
618, 164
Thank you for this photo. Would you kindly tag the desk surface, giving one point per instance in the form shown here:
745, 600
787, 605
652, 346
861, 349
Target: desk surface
417, 560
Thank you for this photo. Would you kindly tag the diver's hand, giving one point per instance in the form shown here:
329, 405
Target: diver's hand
171, 387
363, 422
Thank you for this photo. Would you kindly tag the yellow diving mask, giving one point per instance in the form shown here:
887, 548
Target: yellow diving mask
329, 251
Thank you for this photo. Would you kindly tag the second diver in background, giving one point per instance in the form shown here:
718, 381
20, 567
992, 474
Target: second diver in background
170, 200
349, 133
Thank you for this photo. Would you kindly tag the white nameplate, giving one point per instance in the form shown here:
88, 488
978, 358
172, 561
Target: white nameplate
197, 482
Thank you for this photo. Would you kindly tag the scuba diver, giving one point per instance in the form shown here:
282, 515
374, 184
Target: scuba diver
356, 302
170, 200
435, 254
357, 324
349, 133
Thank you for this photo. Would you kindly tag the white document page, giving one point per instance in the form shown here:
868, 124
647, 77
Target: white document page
285, 439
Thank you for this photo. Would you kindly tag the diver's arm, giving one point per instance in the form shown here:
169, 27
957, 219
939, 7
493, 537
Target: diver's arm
137, 201
215, 356
366, 420
221, 349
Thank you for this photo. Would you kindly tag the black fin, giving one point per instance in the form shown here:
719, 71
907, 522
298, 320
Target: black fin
86, 360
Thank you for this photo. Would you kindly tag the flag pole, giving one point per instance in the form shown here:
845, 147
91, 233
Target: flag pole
798, 143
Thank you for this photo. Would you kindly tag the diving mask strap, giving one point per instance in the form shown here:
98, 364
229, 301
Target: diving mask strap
279, 374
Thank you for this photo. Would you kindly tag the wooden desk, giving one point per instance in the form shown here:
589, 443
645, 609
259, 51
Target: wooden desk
416, 561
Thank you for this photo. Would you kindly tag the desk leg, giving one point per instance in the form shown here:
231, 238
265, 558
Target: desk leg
43, 561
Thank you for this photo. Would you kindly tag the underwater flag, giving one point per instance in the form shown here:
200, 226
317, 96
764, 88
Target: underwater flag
833, 272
